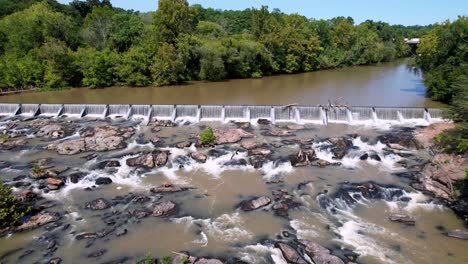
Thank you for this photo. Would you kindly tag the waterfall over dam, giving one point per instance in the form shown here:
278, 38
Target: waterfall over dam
223, 113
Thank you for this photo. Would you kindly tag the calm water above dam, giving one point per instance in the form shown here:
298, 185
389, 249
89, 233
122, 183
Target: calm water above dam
390, 84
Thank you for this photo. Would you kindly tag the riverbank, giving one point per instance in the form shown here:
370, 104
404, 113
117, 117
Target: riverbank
116, 190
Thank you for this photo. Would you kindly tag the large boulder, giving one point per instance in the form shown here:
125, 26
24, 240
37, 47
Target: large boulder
249, 145
150, 160
319, 254
341, 146
12, 144
103, 138
198, 156
168, 188
208, 261
257, 161
405, 219
255, 203
98, 204
232, 135
103, 181
164, 209
290, 254
279, 133
302, 158
39, 220
457, 233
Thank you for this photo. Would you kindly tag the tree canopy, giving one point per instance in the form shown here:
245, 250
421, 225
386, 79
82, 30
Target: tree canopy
91, 43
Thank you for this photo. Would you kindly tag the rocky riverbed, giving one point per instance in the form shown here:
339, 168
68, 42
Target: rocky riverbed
117, 190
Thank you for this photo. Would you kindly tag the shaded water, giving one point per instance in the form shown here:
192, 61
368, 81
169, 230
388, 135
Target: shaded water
209, 222
389, 84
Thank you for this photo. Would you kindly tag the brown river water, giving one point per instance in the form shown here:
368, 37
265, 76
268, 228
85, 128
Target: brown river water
209, 221
388, 84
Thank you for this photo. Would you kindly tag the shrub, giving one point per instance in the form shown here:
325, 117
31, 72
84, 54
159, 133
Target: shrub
207, 136
166, 260
3, 138
453, 140
11, 210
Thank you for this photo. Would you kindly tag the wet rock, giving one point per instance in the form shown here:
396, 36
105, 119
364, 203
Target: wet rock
405, 219
395, 146
365, 156
185, 144
53, 181
55, 261
295, 127
290, 253
321, 163
161, 158
208, 261
162, 123
86, 236
249, 145
263, 122
260, 151
97, 254
319, 254
183, 257
103, 181
198, 156
255, 203
12, 144
403, 137
27, 195
302, 158
98, 204
138, 214
39, 220
146, 161
341, 146
257, 161
155, 139
52, 187
457, 233
279, 133
375, 157
233, 135
52, 131
76, 177
164, 209
168, 188
69, 147
121, 232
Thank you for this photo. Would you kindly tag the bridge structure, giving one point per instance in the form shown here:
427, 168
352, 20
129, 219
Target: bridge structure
224, 113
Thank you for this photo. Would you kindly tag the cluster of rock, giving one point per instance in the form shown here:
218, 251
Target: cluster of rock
98, 139
281, 203
295, 252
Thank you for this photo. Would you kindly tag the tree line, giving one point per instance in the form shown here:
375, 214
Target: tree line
90, 43
444, 61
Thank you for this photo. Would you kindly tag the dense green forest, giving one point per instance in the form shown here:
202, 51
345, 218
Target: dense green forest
444, 62
89, 43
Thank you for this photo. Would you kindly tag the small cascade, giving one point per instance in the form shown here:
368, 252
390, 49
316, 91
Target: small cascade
30, 109
374, 116
349, 114
338, 115
257, 112
223, 114
323, 116
362, 114
412, 113
247, 113
272, 115
50, 109
186, 111
234, 112
163, 111
96, 110
118, 110
308, 114
140, 110
389, 114
435, 113
74, 109
427, 116
400, 116
8, 109
211, 112
283, 113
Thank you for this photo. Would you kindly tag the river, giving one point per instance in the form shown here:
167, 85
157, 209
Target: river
387, 84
